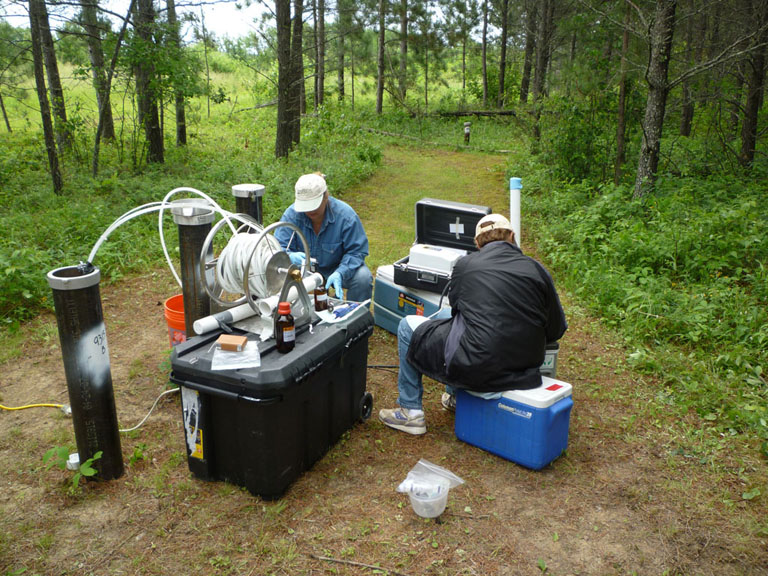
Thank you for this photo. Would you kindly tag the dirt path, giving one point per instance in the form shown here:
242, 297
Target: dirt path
633, 494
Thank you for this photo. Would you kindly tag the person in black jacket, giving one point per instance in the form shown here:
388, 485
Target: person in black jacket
504, 311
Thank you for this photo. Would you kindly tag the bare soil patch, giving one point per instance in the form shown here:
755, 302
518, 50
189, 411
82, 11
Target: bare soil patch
639, 491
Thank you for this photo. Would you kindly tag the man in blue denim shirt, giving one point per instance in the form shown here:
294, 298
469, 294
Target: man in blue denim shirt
335, 236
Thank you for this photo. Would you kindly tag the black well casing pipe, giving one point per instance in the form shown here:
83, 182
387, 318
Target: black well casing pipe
194, 224
248, 201
84, 349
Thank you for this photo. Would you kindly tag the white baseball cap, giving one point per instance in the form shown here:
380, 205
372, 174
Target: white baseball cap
492, 222
309, 192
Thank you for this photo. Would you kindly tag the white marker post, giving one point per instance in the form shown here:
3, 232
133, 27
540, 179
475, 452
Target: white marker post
515, 185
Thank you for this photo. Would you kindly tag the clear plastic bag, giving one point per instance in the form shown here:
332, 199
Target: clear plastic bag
248, 357
428, 480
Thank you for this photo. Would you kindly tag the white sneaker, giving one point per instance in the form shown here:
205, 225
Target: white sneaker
401, 419
449, 402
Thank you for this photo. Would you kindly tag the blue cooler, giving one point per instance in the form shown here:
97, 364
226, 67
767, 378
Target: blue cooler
392, 302
529, 427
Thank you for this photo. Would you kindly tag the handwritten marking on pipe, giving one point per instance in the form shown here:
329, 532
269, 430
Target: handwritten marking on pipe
93, 356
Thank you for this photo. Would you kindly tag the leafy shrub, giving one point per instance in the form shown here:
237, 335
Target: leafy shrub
578, 137
681, 273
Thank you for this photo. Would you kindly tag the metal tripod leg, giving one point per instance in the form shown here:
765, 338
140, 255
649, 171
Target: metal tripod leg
293, 279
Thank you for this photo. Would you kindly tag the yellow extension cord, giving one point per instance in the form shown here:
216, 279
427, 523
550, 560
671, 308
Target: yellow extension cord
31, 406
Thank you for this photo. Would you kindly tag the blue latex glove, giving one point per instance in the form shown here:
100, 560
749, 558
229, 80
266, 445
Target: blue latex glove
334, 280
297, 258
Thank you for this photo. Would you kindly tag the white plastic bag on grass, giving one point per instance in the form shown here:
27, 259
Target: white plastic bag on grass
427, 480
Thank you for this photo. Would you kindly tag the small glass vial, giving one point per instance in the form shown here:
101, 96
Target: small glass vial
285, 329
321, 298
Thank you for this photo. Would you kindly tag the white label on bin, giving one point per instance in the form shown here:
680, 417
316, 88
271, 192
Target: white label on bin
516, 411
190, 405
457, 228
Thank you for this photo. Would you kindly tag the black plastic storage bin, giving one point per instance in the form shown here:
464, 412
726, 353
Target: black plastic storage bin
262, 427
439, 223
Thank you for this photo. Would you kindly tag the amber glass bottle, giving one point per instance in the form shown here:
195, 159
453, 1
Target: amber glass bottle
321, 298
285, 329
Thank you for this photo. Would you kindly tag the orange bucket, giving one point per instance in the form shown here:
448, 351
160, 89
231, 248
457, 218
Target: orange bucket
174, 316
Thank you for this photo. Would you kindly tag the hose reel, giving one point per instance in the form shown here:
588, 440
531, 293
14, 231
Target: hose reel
252, 264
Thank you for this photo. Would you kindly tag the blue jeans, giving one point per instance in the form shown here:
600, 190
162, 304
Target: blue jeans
409, 384
360, 286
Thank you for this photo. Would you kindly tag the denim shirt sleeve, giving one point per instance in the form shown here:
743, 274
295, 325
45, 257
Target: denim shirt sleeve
283, 234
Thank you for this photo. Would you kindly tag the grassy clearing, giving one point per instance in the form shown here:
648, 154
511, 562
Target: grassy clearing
634, 493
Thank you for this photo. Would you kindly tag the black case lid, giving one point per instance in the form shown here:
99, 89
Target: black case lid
191, 360
446, 223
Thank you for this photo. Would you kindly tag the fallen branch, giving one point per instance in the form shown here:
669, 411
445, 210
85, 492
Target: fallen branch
470, 516
265, 105
359, 564
476, 113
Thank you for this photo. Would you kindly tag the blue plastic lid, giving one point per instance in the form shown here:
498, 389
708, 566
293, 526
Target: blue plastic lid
515, 184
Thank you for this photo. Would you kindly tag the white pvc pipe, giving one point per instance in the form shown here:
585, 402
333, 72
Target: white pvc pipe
515, 185
268, 305
229, 316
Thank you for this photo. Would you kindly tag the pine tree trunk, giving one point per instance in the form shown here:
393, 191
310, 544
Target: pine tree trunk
318, 50
108, 88
321, 54
755, 84
463, 65
96, 53
543, 38
297, 72
503, 56
426, 79
380, 62
149, 115
63, 135
686, 113
485, 53
530, 44
352, 71
402, 74
621, 120
284, 76
662, 33
42, 96
342, 31
178, 94
5, 114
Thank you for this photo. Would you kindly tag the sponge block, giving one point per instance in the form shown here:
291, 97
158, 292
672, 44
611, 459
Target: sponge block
232, 342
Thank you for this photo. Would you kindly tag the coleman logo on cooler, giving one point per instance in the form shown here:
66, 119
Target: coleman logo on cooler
516, 411
553, 387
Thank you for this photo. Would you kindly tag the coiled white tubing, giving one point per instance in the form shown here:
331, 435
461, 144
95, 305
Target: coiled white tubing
233, 259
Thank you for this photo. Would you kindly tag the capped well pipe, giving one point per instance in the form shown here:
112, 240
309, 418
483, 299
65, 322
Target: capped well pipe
515, 185
248, 200
194, 223
83, 337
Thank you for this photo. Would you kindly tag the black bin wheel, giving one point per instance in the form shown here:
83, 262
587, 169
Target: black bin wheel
366, 406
